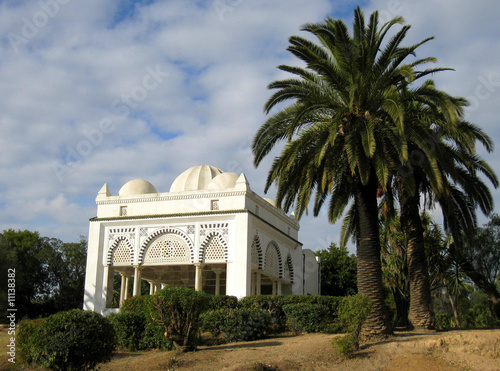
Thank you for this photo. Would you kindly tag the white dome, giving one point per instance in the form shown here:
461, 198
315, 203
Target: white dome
136, 187
223, 181
195, 178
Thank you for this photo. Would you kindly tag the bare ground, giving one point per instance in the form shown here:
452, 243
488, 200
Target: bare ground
453, 350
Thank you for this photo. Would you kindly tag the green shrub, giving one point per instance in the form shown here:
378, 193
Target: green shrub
138, 304
274, 306
178, 309
154, 337
239, 324
443, 321
30, 340
352, 313
306, 317
153, 334
72, 340
346, 344
129, 328
479, 316
223, 302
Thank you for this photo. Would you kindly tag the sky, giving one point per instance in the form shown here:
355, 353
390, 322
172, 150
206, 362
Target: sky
103, 91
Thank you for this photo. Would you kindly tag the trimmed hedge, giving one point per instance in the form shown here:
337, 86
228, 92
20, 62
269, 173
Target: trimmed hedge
306, 317
72, 340
237, 324
129, 328
274, 306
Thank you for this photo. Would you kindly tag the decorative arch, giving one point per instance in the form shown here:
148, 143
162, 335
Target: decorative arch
288, 268
256, 252
273, 263
180, 246
121, 252
213, 248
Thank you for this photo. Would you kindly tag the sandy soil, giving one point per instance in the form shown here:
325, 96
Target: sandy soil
454, 350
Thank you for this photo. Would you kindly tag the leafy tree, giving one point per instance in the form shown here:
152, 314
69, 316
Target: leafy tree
344, 132
25, 252
50, 274
67, 268
480, 260
338, 271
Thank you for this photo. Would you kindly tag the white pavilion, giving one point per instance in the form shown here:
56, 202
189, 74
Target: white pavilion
210, 232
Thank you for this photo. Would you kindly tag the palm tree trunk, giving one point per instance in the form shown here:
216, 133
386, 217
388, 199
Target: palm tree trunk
454, 307
369, 263
421, 315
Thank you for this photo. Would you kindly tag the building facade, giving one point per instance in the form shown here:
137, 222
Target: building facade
210, 232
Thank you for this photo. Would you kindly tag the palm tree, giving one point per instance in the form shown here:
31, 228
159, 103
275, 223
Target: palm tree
450, 174
344, 132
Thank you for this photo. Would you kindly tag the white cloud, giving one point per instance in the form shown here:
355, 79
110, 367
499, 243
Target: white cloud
82, 68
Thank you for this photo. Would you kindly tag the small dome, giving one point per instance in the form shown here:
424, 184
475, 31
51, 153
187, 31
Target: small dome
223, 181
195, 178
136, 187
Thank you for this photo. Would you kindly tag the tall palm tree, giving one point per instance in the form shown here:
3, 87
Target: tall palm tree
344, 132
449, 174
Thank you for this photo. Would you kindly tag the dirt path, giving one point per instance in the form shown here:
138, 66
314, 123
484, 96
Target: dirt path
454, 350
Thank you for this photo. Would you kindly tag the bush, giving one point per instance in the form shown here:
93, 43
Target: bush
352, 313
29, 340
274, 306
443, 321
153, 334
178, 309
154, 337
306, 317
239, 324
223, 302
138, 304
129, 328
72, 340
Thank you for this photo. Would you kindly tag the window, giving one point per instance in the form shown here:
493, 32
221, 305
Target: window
214, 205
123, 210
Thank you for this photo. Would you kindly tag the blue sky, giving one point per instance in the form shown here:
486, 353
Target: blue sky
108, 91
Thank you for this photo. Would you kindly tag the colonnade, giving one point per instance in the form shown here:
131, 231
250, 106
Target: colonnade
156, 285
256, 284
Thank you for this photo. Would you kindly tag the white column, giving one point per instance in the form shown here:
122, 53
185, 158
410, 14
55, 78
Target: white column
273, 283
127, 282
151, 287
198, 278
137, 281
279, 287
122, 288
258, 283
108, 288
